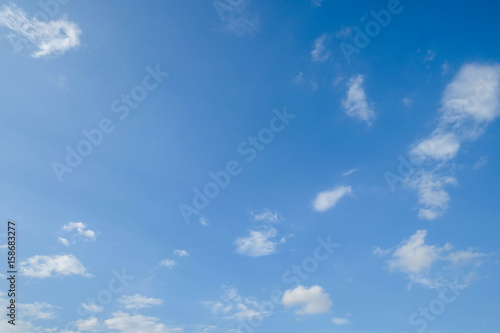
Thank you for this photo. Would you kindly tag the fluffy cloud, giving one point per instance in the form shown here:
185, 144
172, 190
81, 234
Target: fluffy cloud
37, 310
312, 301
168, 263
355, 103
257, 243
181, 253
126, 323
138, 302
469, 103
431, 265
328, 199
52, 266
80, 229
53, 37
90, 324
318, 52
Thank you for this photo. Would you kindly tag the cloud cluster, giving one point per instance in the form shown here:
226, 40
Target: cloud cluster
469, 103
51, 38
430, 265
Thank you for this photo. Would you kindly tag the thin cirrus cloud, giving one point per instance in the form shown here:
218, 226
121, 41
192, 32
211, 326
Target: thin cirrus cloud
355, 103
52, 266
233, 306
329, 199
319, 53
432, 266
50, 38
469, 103
313, 300
138, 301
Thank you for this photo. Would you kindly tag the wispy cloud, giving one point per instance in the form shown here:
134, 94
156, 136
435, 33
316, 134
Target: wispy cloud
355, 103
432, 266
138, 301
257, 243
469, 103
319, 52
168, 263
236, 18
328, 199
51, 38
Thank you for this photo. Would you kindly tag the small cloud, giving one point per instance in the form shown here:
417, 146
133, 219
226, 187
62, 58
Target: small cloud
94, 308
407, 101
316, 3
63, 241
348, 172
38, 310
204, 222
257, 243
181, 253
90, 324
328, 199
340, 321
344, 32
267, 216
168, 263
430, 55
355, 103
318, 53
138, 301
445, 68
52, 266
481, 162
379, 252
81, 231
51, 38
127, 323
313, 300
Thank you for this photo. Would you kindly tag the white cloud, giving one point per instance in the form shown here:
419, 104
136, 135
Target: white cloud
92, 307
168, 263
52, 266
355, 103
267, 216
63, 241
37, 310
316, 3
204, 222
340, 321
53, 37
407, 101
233, 306
81, 230
348, 172
90, 324
318, 53
482, 161
328, 199
469, 103
235, 17
126, 323
138, 302
181, 253
257, 243
312, 301
431, 265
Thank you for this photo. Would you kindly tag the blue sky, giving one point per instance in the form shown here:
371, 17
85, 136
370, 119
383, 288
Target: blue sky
248, 166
